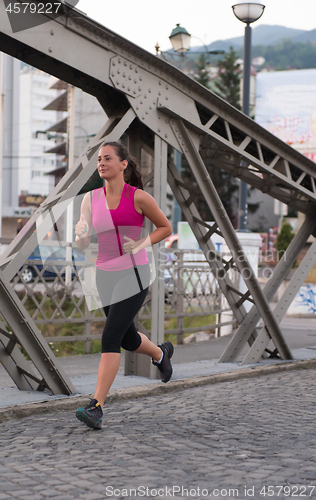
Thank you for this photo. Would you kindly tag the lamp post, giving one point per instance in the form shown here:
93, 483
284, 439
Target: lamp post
247, 13
180, 41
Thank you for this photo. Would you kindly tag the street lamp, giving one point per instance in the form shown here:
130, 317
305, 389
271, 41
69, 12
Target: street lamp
247, 13
180, 39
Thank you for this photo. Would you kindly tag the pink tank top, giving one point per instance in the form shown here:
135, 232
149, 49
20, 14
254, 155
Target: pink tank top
112, 225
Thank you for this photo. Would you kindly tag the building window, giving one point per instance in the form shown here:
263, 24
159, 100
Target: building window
36, 173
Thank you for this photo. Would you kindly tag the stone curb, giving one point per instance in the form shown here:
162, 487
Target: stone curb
72, 402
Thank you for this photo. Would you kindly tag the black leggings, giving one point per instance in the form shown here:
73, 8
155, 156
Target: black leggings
120, 330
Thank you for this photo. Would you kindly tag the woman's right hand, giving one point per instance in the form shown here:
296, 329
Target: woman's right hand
82, 227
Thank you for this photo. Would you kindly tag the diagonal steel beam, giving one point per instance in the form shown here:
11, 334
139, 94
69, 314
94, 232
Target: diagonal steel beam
14, 362
263, 182
159, 86
256, 168
216, 262
261, 343
25, 332
31, 339
250, 322
221, 218
57, 201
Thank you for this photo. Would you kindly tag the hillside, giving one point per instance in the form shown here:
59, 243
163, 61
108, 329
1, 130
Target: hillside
283, 48
264, 35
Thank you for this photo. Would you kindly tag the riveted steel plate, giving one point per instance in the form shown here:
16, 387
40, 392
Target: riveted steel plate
126, 76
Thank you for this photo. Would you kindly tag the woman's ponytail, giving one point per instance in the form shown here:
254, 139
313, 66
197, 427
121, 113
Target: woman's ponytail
132, 174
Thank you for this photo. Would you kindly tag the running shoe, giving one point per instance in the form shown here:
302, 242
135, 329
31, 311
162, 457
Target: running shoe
165, 367
91, 415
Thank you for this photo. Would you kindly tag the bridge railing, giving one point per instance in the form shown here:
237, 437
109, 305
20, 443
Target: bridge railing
58, 306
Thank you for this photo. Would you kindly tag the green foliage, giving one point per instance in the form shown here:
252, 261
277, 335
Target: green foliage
225, 184
73, 348
63, 349
202, 74
48, 305
286, 55
188, 322
227, 84
284, 238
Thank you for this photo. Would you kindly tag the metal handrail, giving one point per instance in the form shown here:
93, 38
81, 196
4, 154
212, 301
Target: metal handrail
191, 291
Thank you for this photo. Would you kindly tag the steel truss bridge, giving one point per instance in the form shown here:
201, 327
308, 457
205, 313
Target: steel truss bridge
158, 108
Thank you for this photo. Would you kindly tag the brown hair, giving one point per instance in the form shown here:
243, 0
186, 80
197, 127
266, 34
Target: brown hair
132, 174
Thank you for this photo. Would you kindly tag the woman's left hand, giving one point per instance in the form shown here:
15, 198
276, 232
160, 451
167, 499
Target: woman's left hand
130, 246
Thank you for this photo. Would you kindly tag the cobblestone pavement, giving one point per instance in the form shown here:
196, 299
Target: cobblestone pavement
210, 441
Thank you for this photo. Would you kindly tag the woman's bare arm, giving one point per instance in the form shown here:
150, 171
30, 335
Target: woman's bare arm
148, 205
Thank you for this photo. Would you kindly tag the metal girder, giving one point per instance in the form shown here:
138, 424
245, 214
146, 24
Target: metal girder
202, 232
15, 363
29, 337
158, 286
263, 181
224, 224
261, 343
248, 326
158, 289
24, 330
61, 196
131, 83
153, 88
139, 364
249, 160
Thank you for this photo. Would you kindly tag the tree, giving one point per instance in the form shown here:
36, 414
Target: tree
202, 73
284, 238
227, 86
227, 83
225, 184
287, 54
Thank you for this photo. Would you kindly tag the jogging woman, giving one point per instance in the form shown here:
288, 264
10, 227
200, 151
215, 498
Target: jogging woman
117, 212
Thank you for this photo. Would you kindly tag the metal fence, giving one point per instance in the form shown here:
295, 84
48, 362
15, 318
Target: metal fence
191, 291
55, 300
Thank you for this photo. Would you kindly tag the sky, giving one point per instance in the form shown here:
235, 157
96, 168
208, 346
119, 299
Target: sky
145, 23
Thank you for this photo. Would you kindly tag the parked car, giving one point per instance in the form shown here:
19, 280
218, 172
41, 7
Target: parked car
41, 255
